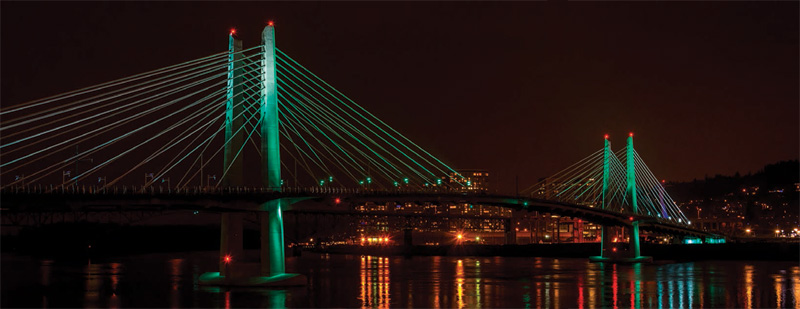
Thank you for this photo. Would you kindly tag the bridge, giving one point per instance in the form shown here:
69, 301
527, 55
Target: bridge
181, 126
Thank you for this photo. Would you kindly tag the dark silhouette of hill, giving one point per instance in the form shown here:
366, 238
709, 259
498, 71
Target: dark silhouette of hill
778, 176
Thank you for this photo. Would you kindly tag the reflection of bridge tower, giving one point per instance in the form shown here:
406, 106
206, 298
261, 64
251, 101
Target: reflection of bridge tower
233, 270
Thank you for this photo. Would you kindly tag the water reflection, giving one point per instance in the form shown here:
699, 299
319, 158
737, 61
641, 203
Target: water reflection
94, 279
46, 268
175, 272
114, 274
449, 282
748, 286
375, 282
460, 283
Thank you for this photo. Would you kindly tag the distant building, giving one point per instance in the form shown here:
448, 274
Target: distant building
470, 180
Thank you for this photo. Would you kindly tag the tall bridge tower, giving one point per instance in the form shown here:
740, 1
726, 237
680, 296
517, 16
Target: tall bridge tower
609, 252
233, 268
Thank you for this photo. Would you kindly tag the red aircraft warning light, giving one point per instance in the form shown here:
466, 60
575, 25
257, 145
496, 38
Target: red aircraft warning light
233, 31
631, 218
270, 23
605, 136
337, 200
228, 259
630, 134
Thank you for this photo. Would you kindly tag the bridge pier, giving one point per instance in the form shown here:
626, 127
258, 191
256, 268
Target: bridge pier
231, 245
272, 246
510, 232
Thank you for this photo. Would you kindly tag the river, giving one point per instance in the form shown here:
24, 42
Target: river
170, 280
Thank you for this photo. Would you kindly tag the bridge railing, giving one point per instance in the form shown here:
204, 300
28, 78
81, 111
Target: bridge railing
196, 190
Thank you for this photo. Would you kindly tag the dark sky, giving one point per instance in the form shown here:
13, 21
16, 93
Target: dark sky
515, 88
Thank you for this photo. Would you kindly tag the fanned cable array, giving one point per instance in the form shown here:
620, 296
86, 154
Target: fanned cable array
167, 127
154, 124
337, 142
583, 183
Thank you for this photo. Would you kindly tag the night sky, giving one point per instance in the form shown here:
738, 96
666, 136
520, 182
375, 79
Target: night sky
515, 88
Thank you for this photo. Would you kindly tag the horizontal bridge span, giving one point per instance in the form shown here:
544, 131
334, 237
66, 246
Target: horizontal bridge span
251, 200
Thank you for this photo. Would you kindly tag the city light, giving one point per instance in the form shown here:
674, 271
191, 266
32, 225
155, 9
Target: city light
337, 200
228, 259
747, 230
460, 236
477, 238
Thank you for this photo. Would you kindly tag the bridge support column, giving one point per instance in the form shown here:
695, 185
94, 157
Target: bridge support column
408, 238
634, 240
272, 246
230, 243
511, 232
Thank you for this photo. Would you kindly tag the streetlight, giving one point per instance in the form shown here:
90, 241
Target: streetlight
209, 178
64, 175
103, 180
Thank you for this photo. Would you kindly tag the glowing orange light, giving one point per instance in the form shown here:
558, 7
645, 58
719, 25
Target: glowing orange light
337, 200
631, 218
386, 239
228, 259
460, 236
606, 136
233, 31
363, 239
270, 23
630, 134
614, 249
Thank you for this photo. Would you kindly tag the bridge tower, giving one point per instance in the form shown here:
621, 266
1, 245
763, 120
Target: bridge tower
231, 226
608, 252
605, 238
630, 170
272, 247
233, 269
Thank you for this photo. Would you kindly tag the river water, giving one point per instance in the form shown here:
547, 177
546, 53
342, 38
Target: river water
170, 280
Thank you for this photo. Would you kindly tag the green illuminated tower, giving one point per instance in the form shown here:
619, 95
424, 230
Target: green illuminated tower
231, 243
233, 107
631, 194
605, 240
272, 253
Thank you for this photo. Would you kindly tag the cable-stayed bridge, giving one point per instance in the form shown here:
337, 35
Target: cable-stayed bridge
251, 129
